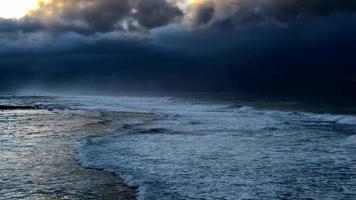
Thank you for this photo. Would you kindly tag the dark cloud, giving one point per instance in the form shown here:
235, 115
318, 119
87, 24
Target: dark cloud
21, 25
290, 9
307, 57
156, 13
90, 16
101, 16
203, 14
278, 12
292, 46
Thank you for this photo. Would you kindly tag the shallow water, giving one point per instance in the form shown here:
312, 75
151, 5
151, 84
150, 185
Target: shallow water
37, 154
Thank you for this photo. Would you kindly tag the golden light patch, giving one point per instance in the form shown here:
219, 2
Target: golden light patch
190, 2
15, 9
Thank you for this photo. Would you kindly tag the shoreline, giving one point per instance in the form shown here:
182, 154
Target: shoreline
119, 190
47, 168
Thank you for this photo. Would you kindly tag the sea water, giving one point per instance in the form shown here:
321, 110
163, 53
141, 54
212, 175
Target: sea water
196, 149
208, 150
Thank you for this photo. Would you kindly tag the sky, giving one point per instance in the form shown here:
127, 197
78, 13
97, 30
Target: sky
242, 46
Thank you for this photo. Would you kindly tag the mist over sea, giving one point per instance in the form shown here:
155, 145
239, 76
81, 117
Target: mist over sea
191, 147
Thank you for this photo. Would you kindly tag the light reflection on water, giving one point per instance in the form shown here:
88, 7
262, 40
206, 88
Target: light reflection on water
37, 155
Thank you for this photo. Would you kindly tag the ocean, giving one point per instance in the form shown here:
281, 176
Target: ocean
193, 147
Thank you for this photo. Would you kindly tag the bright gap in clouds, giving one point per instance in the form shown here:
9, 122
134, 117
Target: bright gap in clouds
16, 8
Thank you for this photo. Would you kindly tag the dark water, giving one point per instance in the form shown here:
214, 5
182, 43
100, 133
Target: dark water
198, 149
209, 150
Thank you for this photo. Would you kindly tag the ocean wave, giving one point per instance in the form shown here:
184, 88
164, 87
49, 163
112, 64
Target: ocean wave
350, 140
338, 119
333, 118
52, 107
245, 109
198, 150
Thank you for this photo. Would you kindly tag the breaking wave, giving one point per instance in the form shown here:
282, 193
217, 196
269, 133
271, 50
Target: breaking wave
208, 151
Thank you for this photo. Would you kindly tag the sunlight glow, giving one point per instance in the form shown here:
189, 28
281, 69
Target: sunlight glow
16, 8
194, 1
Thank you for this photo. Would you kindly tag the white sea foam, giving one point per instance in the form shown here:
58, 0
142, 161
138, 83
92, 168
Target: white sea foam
338, 119
350, 140
221, 152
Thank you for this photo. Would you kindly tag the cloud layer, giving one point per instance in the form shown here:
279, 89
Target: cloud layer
90, 16
182, 44
93, 16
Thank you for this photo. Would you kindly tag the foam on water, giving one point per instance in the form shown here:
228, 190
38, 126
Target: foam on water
339, 119
208, 151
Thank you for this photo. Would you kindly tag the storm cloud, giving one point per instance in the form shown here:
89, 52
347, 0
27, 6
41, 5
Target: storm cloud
105, 15
92, 16
203, 13
200, 45
273, 12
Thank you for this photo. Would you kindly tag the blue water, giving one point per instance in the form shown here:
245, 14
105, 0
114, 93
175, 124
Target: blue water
202, 150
